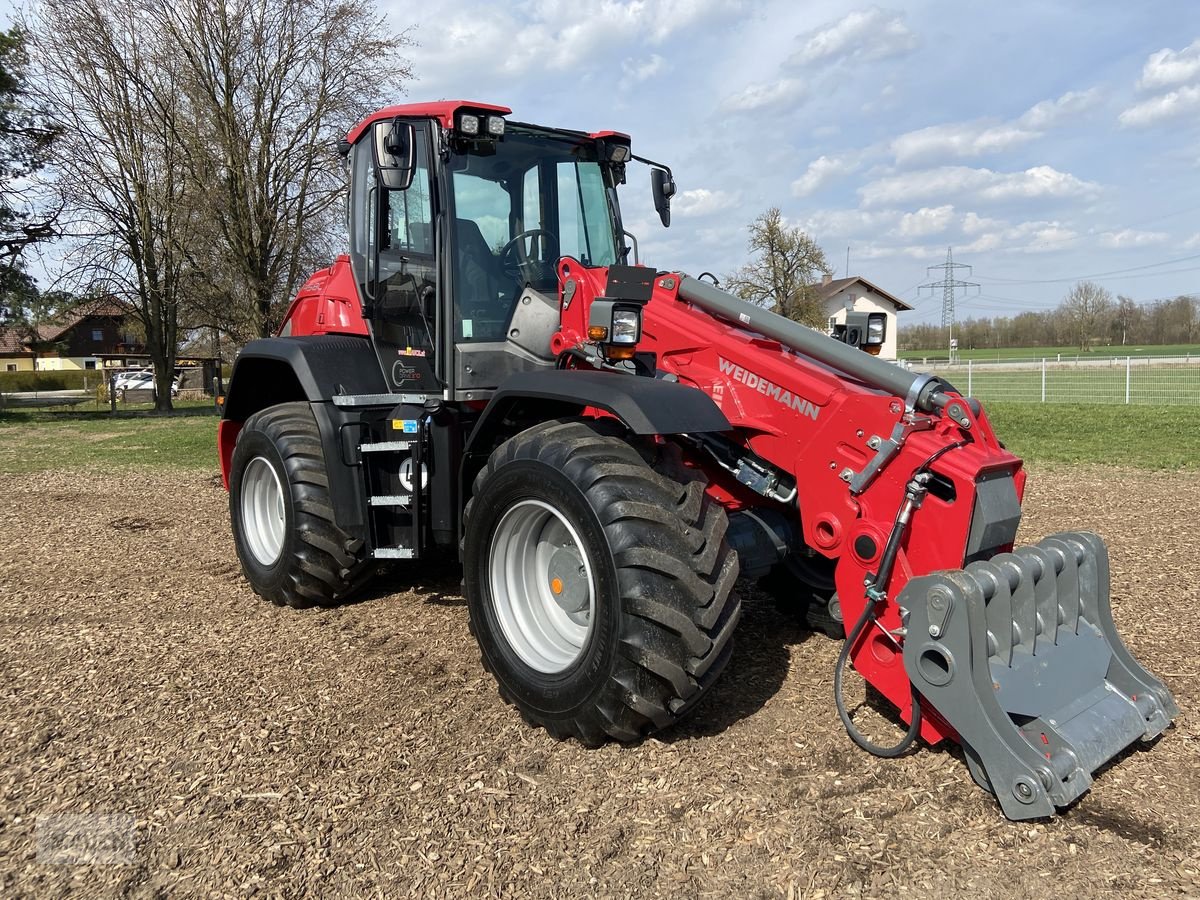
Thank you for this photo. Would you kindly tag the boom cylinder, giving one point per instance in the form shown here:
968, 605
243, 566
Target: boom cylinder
924, 392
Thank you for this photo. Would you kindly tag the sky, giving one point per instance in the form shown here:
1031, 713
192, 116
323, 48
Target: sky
1044, 140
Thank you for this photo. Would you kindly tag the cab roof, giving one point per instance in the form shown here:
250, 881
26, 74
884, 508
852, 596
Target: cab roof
445, 110
442, 110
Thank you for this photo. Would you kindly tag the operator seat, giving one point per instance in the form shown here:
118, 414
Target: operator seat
478, 281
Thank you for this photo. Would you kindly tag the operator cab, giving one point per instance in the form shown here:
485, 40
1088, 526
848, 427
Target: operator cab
457, 269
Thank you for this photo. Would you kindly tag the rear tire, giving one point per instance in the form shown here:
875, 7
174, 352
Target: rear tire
656, 577
291, 551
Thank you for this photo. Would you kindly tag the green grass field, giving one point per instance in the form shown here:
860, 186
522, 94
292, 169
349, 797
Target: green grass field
1150, 437
1147, 437
1148, 385
38, 441
936, 353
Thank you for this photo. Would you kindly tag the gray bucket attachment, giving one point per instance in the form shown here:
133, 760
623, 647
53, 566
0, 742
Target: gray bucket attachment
1020, 656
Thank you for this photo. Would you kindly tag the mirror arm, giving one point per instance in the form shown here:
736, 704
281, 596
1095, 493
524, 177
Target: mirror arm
656, 165
636, 255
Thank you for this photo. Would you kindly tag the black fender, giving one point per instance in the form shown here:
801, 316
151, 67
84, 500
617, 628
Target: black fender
644, 405
313, 368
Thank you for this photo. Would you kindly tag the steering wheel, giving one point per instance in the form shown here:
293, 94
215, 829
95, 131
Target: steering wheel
522, 251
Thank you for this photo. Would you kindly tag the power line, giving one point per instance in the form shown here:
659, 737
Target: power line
1114, 272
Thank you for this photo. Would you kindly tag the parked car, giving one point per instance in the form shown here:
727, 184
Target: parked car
144, 381
123, 380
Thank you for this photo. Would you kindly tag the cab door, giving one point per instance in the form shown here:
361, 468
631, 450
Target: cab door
393, 255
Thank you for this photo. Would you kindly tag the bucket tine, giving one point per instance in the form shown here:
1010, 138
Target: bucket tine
1044, 591
1019, 573
1067, 586
998, 597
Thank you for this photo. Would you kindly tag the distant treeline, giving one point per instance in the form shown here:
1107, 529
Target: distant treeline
1119, 323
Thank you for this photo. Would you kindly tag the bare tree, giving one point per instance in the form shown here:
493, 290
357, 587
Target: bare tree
1184, 316
1086, 307
116, 90
1125, 315
786, 264
198, 161
271, 86
25, 139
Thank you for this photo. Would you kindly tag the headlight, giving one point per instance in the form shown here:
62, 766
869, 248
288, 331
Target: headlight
626, 326
468, 124
495, 125
875, 330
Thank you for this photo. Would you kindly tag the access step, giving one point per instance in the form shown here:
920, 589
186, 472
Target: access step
392, 553
384, 446
391, 500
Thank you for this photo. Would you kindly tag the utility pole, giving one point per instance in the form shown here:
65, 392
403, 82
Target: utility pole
949, 285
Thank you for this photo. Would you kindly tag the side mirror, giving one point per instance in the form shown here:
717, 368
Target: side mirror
394, 154
663, 186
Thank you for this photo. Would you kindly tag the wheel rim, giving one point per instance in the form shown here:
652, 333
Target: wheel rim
263, 511
542, 586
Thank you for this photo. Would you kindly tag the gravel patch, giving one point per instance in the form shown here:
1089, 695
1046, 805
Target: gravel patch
244, 749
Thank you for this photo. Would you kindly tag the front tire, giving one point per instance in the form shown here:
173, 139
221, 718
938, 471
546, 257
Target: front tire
600, 591
291, 551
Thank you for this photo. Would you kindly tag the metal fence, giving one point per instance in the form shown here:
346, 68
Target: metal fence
1162, 380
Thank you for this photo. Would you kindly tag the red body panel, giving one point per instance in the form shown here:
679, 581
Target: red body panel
814, 423
227, 432
326, 304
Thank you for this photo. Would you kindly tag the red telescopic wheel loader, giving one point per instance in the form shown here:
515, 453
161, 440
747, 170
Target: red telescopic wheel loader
490, 372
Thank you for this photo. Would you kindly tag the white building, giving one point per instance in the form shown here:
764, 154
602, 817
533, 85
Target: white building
856, 294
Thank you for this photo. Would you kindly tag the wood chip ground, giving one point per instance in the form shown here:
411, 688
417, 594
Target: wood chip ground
363, 750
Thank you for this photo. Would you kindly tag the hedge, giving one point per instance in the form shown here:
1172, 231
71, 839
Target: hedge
47, 381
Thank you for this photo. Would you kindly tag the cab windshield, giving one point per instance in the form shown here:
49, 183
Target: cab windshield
519, 205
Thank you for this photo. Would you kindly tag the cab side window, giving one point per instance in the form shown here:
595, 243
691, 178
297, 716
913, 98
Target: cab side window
409, 226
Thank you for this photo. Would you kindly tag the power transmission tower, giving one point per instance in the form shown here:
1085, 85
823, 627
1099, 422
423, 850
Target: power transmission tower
949, 285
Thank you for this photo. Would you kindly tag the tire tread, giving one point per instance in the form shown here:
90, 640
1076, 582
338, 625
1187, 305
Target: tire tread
328, 565
675, 570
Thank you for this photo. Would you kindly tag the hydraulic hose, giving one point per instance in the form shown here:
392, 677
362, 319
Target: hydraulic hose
874, 595
914, 494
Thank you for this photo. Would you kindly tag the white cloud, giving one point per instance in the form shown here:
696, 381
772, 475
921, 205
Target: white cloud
761, 96
925, 221
702, 202
982, 184
1129, 237
639, 70
1025, 237
820, 172
984, 243
1167, 67
1170, 105
547, 35
869, 34
1047, 238
983, 136
881, 103
1192, 243
872, 250
973, 223
847, 222
1051, 112
958, 140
